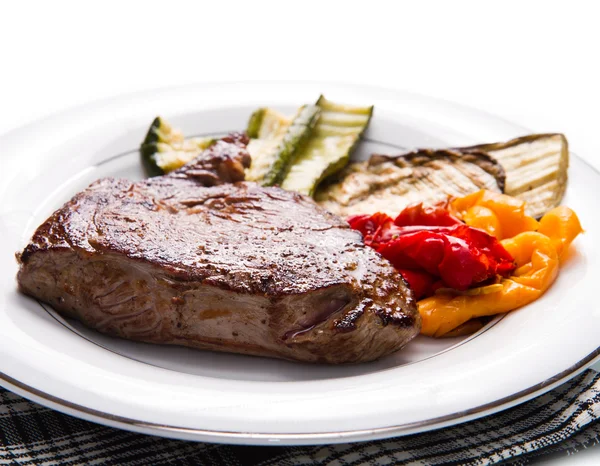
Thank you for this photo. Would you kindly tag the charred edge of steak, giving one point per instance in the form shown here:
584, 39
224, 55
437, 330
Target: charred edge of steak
48, 234
423, 156
223, 162
398, 318
347, 323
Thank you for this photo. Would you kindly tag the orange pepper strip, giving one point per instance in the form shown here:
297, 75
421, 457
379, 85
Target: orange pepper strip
562, 226
483, 218
500, 215
537, 263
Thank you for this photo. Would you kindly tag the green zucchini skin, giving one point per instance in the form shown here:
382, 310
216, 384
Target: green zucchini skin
296, 135
266, 129
275, 141
328, 150
255, 123
149, 149
164, 148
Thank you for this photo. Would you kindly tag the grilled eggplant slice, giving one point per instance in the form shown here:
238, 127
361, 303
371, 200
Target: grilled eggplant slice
277, 142
536, 168
329, 147
391, 183
164, 148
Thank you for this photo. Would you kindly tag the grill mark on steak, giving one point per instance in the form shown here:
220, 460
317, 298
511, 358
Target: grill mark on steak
347, 322
201, 258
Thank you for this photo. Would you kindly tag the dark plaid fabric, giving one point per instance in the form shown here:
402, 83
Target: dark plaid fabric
560, 422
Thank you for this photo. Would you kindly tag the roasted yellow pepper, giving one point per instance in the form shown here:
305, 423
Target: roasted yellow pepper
536, 255
562, 226
500, 215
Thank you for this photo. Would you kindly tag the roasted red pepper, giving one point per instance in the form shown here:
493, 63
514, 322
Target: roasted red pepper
433, 216
433, 249
422, 283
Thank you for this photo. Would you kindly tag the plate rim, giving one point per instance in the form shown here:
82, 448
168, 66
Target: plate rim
302, 438
298, 438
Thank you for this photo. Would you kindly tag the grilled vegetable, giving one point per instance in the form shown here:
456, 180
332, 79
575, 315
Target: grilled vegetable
328, 149
390, 183
537, 257
535, 166
266, 128
500, 215
432, 249
164, 149
255, 122
277, 142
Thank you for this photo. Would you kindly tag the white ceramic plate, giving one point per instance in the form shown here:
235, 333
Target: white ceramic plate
182, 393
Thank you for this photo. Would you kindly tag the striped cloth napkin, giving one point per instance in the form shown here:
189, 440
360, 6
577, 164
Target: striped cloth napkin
560, 422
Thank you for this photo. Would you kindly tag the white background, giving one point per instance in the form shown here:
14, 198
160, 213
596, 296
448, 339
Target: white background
535, 63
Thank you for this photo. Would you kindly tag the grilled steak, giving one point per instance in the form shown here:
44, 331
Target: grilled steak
200, 259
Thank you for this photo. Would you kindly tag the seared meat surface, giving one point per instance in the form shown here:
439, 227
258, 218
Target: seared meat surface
200, 259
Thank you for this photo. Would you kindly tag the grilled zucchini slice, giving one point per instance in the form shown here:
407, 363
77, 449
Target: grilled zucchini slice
277, 143
266, 128
536, 168
328, 149
164, 148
